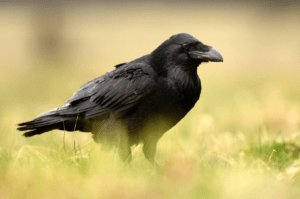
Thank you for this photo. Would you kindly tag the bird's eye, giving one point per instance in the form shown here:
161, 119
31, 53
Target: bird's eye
186, 46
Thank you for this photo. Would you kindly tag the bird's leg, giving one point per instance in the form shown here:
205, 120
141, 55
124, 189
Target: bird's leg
124, 148
125, 153
149, 150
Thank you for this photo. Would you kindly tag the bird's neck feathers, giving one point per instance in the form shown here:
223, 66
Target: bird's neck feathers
159, 60
182, 78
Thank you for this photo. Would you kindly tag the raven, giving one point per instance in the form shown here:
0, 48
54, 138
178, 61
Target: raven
137, 102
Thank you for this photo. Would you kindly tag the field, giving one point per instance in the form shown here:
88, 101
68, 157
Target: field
241, 140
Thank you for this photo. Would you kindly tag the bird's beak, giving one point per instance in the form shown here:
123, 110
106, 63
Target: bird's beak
212, 55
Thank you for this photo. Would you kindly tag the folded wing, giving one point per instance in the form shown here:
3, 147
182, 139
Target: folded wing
117, 92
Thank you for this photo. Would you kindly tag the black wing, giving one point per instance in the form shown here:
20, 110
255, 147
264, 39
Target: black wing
118, 92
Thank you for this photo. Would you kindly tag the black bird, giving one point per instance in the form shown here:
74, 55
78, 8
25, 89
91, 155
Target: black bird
137, 102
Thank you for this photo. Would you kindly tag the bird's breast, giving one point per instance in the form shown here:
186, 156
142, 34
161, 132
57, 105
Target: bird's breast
162, 109
185, 89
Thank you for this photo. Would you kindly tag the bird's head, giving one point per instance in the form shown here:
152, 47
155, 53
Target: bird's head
185, 50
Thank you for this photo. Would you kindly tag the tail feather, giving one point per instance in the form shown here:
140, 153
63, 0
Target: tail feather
39, 131
45, 121
48, 122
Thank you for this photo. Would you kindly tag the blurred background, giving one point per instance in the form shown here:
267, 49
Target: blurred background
48, 49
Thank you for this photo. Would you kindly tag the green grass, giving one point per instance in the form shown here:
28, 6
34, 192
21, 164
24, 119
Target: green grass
215, 152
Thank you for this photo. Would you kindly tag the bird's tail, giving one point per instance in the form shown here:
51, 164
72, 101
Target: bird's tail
49, 121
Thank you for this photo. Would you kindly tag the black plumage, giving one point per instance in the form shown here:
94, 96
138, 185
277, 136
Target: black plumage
137, 101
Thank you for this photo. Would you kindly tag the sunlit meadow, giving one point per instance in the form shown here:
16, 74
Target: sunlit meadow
241, 140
